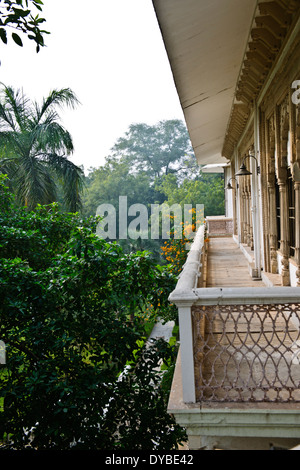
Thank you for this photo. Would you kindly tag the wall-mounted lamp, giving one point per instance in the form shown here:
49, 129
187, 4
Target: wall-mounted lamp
243, 170
229, 184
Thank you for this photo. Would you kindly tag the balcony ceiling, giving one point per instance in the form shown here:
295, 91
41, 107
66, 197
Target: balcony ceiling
206, 42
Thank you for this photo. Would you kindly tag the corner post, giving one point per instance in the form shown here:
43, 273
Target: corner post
187, 354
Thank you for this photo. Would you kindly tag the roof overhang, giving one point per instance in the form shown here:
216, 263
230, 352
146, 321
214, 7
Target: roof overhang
221, 53
215, 167
205, 42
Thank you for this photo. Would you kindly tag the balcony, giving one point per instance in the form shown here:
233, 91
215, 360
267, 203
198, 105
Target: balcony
237, 378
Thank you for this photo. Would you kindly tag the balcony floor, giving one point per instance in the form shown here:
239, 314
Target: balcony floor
227, 265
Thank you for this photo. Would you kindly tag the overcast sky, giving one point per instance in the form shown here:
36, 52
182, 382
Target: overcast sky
112, 56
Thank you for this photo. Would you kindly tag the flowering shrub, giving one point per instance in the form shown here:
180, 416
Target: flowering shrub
175, 249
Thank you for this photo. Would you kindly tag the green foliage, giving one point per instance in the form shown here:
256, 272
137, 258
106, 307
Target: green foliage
153, 165
69, 321
114, 179
206, 189
135, 421
106, 184
18, 15
156, 150
34, 149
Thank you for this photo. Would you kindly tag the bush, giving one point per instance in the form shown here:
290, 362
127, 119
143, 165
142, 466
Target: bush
69, 321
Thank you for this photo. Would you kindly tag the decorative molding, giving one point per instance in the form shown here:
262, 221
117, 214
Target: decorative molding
272, 24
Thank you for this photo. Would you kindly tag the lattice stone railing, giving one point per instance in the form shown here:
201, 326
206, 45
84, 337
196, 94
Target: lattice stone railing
236, 344
246, 353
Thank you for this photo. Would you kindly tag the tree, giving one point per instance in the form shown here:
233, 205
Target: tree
206, 189
34, 148
66, 320
156, 150
149, 166
18, 16
114, 179
105, 185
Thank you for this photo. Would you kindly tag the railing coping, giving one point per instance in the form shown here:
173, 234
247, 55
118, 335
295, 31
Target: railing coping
186, 292
191, 269
218, 217
236, 296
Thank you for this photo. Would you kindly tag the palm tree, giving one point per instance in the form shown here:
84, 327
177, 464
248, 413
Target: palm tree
34, 149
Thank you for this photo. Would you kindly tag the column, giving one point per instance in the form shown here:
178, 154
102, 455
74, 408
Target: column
272, 227
297, 234
187, 354
284, 228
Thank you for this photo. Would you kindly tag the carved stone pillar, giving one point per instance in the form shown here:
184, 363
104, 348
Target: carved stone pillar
249, 219
251, 244
234, 211
296, 178
297, 226
282, 122
272, 226
248, 231
243, 216
284, 229
271, 215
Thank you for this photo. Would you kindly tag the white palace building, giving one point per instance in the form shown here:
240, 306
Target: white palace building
236, 68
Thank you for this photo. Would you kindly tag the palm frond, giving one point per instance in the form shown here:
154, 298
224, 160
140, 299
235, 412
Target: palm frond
14, 105
34, 184
6, 119
9, 167
12, 143
51, 137
71, 177
36, 146
58, 98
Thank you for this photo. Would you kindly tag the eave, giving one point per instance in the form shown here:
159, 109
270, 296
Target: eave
221, 53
